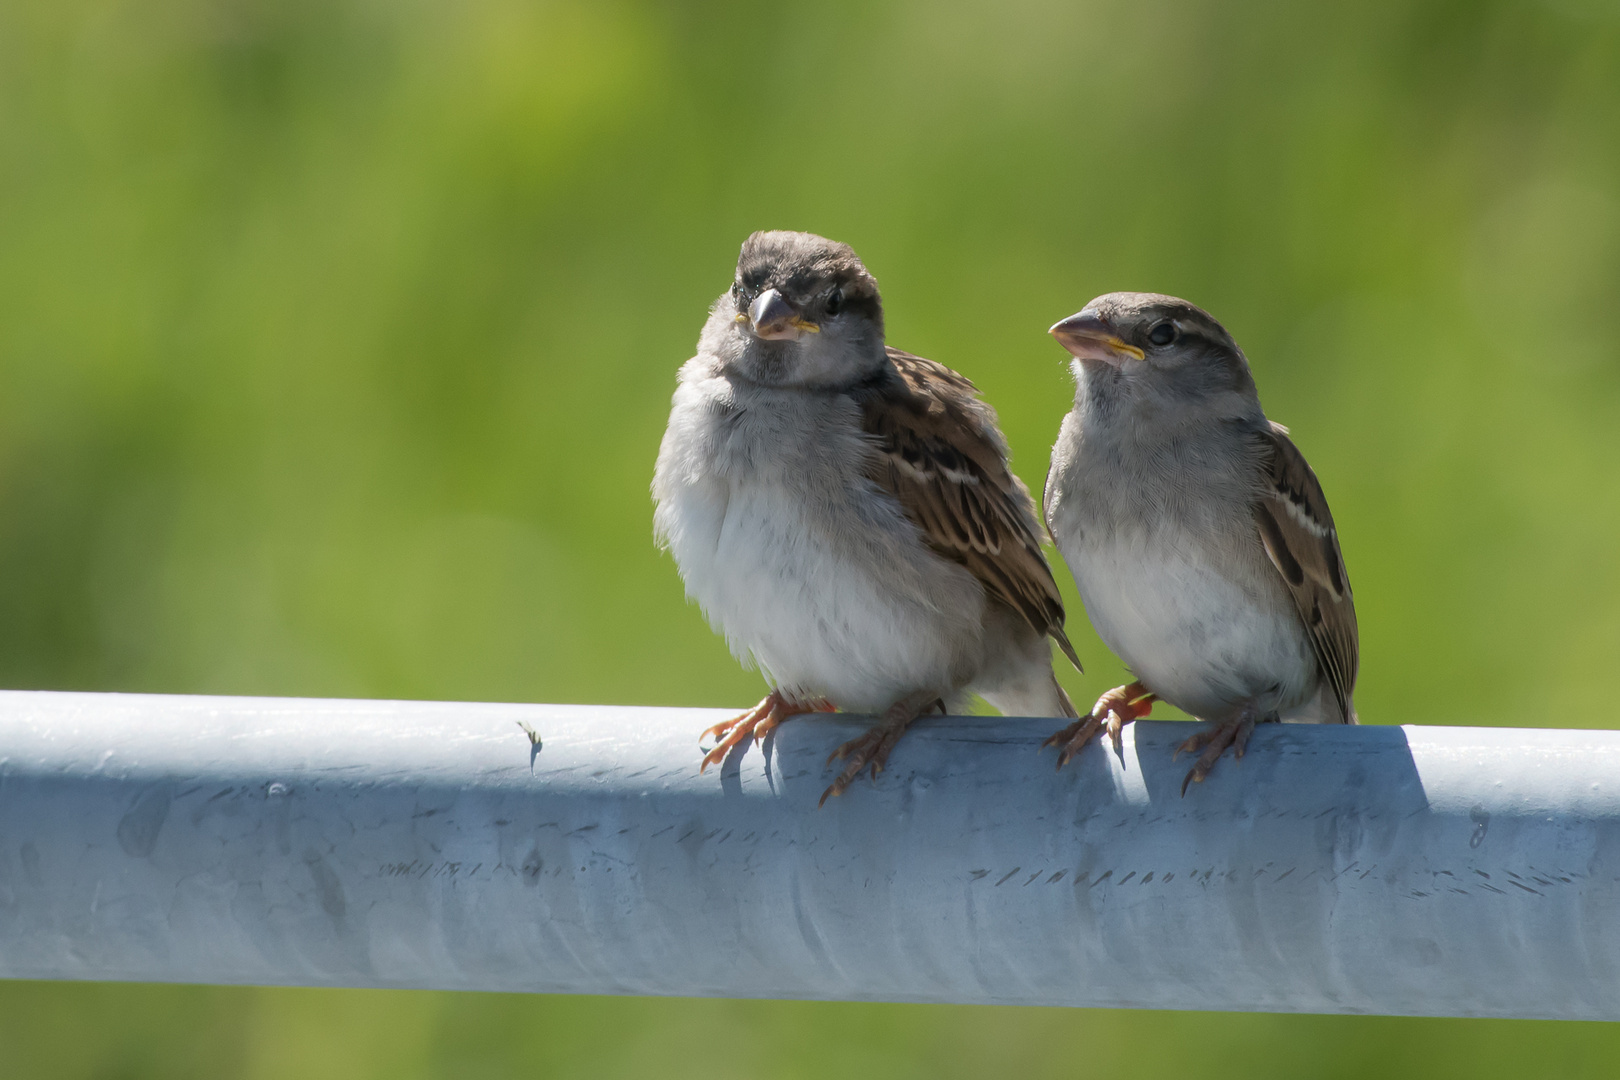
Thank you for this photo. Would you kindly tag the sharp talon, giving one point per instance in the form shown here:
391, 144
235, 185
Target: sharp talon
1231, 734
870, 752
713, 757
758, 722
1120, 706
1073, 738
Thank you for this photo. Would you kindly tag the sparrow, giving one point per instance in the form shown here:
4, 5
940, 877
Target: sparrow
1199, 538
844, 513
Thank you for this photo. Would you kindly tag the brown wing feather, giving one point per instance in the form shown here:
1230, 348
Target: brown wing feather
942, 456
1297, 529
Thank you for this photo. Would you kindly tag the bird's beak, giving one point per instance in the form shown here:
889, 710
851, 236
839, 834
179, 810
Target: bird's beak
774, 319
1088, 337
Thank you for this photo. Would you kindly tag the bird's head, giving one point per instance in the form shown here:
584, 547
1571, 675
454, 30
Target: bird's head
802, 311
1159, 349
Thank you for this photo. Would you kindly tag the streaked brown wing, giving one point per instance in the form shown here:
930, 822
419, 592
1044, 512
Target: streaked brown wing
1297, 529
942, 456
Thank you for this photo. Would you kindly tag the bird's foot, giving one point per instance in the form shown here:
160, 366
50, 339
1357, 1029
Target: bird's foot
873, 747
1112, 712
758, 722
1214, 742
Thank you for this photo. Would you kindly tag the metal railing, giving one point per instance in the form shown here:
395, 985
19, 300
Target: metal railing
1421, 871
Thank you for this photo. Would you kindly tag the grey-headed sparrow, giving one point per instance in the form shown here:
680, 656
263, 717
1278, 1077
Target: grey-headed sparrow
844, 513
1199, 538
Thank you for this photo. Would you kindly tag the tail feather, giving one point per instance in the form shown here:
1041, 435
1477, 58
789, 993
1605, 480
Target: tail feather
1063, 699
1068, 650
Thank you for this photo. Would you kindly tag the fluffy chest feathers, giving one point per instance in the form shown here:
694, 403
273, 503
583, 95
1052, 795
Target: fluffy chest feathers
803, 563
1157, 525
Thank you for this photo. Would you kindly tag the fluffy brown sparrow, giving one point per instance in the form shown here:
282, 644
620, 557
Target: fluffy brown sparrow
1200, 539
844, 513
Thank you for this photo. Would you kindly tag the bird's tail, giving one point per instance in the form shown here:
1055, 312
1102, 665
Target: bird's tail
1068, 650
1063, 699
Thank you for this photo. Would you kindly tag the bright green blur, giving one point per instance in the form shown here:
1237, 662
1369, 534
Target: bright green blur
337, 339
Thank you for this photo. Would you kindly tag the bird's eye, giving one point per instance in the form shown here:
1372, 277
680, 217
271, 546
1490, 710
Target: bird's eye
835, 301
1163, 334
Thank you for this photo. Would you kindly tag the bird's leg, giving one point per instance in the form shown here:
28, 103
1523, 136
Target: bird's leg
873, 747
1233, 732
759, 722
1112, 712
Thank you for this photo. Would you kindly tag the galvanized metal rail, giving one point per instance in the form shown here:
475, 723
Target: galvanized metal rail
1423, 871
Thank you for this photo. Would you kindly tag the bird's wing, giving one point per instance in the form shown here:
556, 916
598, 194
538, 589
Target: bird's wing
1297, 529
941, 455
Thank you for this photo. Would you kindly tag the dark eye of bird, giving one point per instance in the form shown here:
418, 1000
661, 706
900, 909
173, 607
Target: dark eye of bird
835, 301
1163, 334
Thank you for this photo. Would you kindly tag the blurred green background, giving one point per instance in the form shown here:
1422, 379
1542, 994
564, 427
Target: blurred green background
337, 339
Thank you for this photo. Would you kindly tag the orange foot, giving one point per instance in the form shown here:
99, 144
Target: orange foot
1232, 733
873, 747
1112, 712
759, 722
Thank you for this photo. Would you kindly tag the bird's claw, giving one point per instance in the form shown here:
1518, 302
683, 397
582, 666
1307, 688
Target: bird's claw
1115, 709
757, 722
871, 749
1213, 743
1074, 738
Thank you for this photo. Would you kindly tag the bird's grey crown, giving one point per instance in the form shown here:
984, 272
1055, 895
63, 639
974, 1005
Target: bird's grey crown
1201, 369
1134, 315
805, 268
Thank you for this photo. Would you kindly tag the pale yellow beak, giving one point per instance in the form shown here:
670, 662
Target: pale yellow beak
774, 319
1088, 337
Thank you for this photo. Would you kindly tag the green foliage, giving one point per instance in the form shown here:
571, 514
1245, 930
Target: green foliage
336, 342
